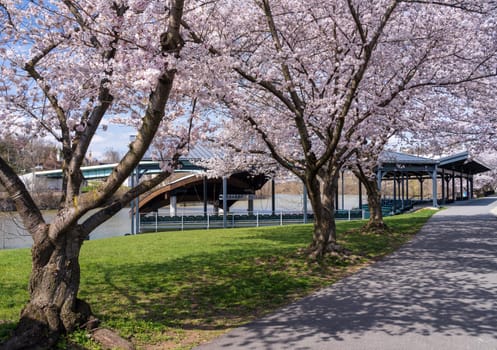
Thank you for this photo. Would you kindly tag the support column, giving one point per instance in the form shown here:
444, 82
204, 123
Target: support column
225, 202
402, 184
273, 198
443, 187
434, 187
467, 187
205, 196
407, 187
460, 186
250, 208
173, 206
137, 202
215, 201
471, 184
132, 205
304, 201
421, 183
137, 205
394, 204
343, 190
454, 197
447, 182
360, 194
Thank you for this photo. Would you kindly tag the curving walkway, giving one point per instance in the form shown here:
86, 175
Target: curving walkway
438, 292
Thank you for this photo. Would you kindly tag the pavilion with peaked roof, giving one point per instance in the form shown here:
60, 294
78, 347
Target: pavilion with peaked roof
456, 175
462, 167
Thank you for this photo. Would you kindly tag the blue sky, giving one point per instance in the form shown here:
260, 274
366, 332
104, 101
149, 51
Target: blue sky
116, 137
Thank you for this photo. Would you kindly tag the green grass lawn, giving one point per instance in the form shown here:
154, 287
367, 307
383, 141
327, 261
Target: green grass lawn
177, 289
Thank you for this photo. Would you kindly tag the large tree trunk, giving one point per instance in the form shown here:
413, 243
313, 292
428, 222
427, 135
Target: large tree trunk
322, 198
375, 223
53, 308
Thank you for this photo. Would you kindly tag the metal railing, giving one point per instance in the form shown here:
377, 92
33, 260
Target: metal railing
153, 222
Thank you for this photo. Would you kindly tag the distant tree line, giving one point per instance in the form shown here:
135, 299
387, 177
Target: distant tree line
27, 154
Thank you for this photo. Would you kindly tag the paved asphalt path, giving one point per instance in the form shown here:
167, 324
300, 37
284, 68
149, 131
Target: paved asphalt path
438, 292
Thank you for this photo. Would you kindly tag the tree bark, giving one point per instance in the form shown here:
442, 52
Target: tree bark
53, 308
322, 198
375, 223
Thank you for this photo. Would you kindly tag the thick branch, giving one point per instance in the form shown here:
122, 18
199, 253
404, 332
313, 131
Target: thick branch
171, 40
151, 122
305, 140
355, 83
270, 88
461, 5
7, 14
30, 68
83, 139
153, 114
357, 21
272, 149
26, 207
115, 206
144, 137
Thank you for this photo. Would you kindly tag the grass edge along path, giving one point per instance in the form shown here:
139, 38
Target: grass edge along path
175, 290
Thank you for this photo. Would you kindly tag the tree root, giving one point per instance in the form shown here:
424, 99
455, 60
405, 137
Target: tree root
40, 329
332, 251
376, 228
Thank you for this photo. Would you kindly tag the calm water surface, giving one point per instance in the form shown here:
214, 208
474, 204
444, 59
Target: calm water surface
13, 235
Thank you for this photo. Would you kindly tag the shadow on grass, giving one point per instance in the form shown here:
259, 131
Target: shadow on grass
300, 234
6, 329
292, 234
212, 291
220, 290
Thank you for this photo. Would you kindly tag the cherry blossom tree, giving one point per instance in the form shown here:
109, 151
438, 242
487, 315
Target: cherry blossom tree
487, 182
364, 164
66, 69
468, 125
310, 78
464, 120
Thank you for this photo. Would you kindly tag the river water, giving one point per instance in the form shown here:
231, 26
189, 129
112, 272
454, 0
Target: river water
13, 235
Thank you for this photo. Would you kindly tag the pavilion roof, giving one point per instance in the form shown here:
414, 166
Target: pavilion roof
390, 157
463, 162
